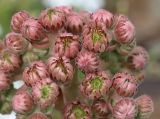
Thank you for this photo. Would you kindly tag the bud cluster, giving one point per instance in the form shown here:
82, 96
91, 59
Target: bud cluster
92, 58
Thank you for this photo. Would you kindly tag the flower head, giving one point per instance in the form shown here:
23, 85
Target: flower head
37, 71
16, 43
95, 85
125, 84
74, 23
32, 30
67, 44
10, 62
5, 81
37, 115
104, 16
60, 69
125, 109
22, 102
87, 61
45, 93
52, 19
96, 37
138, 58
77, 110
18, 19
145, 106
124, 30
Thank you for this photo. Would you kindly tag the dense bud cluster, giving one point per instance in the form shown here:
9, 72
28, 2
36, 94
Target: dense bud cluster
82, 65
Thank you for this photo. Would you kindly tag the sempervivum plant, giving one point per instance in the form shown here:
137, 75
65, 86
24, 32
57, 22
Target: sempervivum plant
74, 65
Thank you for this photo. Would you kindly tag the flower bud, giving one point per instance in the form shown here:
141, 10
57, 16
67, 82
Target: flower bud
10, 62
124, 30
145, 106
18, 19
95, 85
67, 44
45, 93
104, 16
51, 19
138, 58
16, 43
33, 31
22, 102
96, 37
5, 81
87, 61
74, 23
77, 110
101, 108
64, 9
37, 115
125, 109
36, 72
125, 84
60, 69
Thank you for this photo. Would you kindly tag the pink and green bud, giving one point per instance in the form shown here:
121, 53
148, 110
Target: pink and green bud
96, 37
37, 115
67, 45
36, 72
16, 43
5, 81
138, 58
125, 109
64, 9
103, 16
10, 62
145, 106
124, 30
77, 110
18, 19
45, 93
60, 68
125, 84
22, 102
51, 19
95, 85
32, 30
74, 23
87, 61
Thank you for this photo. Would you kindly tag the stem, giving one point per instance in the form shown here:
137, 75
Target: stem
64, 94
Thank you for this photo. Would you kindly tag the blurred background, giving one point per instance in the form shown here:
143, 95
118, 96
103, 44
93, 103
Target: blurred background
145, 15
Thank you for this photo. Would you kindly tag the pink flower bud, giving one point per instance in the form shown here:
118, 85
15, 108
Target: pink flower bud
138, 58
95, 85
18, 19
51, 19
60, 69
77, 110
125, 84
37, 115
36, 72
145, 106
87, 61
5, 81
65, 9
125, 109
101, 108
22, 102
67, 44
104, 16
124, 30
16, 43
10, 62
96, 37
74, 23
45, 93
32, 30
